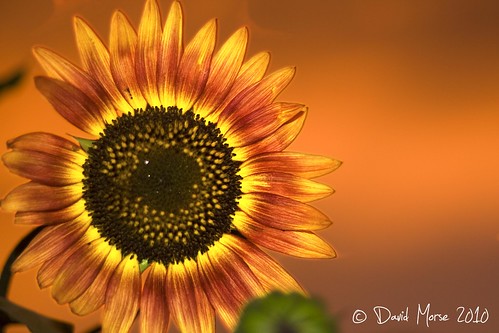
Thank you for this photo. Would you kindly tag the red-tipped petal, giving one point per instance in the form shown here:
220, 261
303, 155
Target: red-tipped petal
49, 271
43, 168
190, 309
122, 46
122, 297
224, 69
79, 271
228, 281
302, 244
146, 59
50, 242
95, 295
282, 213
49, 144
256, 96
96, 61
194, 66
59, 68
74, 105
51, 217
271, 274
299, 164
36, 197
261, 123
287, 185
275, 142
169, 54
251, 72
154, 313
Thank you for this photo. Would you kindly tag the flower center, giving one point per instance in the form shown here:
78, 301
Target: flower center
161, 184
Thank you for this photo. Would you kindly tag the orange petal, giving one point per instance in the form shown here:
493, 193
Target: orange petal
36, 197
169, 54
122, 45
261, 123
49, 144
59, 68
122, 297
51, 217
228, 282
94, 296
251, 72
224, 69
146, 58
286, 185
303, 244
191, 310
272, 275
195, 66
256, 96
154, 313
50, 242
80, 270
71, 103
51, 268
302, 165
43, 168
275, 142
96, 61
282, 213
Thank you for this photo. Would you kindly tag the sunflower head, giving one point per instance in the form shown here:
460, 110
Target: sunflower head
180, 180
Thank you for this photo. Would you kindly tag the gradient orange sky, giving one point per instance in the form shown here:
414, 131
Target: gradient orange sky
405, 93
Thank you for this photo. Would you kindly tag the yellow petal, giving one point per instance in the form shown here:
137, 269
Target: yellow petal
299, 164
43, 168
282, 213
269, 272
302, 244
52, 216
190, 309
122, 297
256, 96
122, 46
260, 123
170, 54
51, 268
154, 313
50, 242
146, 60
287, 185
36, 197
80, 270
224, 69
228, 281
73, 104
274, 142
194, 66
94, 296
96, 61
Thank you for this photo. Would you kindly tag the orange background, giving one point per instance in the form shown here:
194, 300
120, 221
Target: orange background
405, 93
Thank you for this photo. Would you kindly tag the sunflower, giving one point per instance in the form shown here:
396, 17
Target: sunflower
183, 176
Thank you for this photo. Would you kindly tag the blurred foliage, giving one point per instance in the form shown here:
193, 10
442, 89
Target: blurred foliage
286, 313
12, 80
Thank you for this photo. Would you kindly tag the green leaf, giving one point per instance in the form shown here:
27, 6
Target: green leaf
85, 144
285, 313
143, 265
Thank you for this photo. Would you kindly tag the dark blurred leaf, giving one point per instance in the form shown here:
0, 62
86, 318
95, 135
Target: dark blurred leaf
6, 274
36, 323
12, 80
